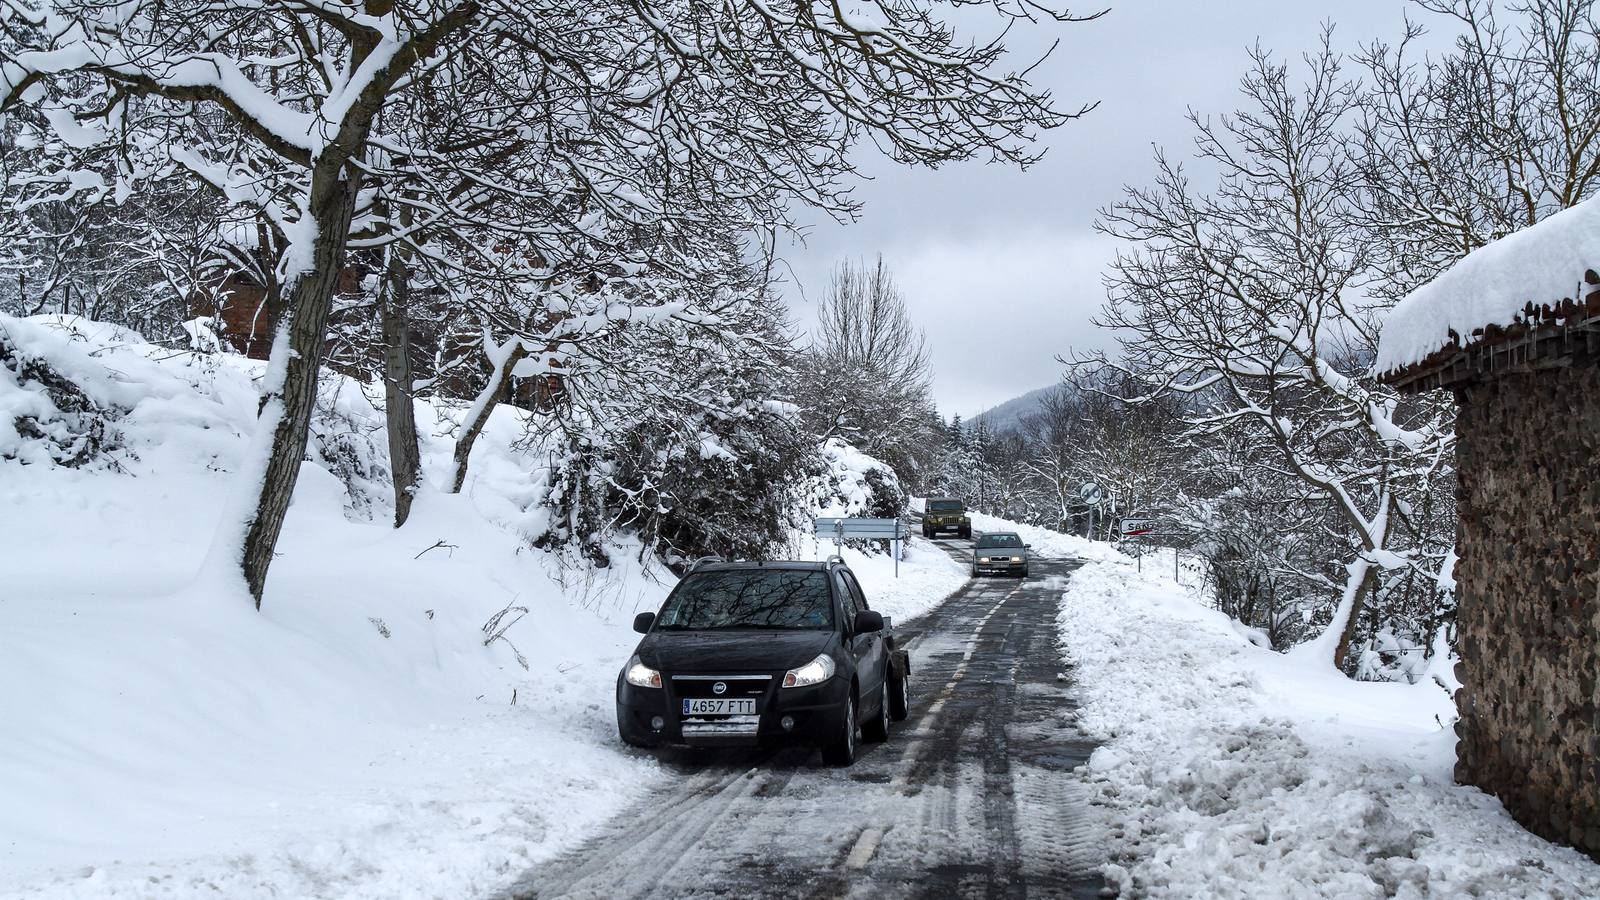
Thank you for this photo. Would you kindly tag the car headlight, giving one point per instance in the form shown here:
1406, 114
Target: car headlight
983, 559
641, 675
1016, 559
815, 672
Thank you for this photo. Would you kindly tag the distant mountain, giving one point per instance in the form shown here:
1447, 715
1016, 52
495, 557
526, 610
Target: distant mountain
1009, 415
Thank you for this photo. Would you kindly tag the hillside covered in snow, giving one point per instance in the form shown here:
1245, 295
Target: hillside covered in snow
413, 711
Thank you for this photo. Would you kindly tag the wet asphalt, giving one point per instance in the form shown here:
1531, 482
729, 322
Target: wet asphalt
971, 797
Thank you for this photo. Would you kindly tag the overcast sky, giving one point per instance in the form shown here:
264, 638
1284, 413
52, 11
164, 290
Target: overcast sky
1002, 267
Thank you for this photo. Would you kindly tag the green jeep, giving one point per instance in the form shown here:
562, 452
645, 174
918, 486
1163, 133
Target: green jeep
946, 514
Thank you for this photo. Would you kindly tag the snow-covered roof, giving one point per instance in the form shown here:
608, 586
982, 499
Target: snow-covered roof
1525, 275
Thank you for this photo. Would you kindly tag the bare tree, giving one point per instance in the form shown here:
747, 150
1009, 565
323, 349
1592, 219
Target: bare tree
1465, 147
866, 376
1248, 297
546, 137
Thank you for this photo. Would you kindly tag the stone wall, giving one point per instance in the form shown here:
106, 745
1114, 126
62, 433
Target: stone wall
1529, 594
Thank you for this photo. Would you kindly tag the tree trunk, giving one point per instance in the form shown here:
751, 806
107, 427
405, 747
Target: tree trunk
504, 358
405, 457
1357, 605
288, 405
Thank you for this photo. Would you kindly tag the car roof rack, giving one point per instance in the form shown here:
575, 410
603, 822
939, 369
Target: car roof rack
703, 560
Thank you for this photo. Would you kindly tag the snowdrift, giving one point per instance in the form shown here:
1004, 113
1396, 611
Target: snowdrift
358, 735
366, 734
1230, 770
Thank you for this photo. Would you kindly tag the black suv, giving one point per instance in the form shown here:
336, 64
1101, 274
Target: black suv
762, 654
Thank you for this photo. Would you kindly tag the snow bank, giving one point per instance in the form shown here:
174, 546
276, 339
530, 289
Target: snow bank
354, 738
1046, 542
1229, 770
1542, 265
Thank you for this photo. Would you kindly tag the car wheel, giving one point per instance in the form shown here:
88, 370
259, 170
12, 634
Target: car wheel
877, 731
1023, 574
899, 699
842, 752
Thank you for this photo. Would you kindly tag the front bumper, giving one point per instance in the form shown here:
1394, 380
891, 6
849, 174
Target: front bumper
817, 712
1000, 566
951, 525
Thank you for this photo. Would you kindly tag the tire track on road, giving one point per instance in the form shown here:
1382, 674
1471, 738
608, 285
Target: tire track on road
971, 797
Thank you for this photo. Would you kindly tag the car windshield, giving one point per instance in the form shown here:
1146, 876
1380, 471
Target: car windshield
767, 598
999, 540
945, 505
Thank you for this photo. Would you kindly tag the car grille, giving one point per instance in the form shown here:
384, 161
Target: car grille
735, 686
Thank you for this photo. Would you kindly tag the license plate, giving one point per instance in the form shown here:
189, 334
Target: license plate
709, 707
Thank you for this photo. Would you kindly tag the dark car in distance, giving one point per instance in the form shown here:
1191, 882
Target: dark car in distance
764, 654
946, 514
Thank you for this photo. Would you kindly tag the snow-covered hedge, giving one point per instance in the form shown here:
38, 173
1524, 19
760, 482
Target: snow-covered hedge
852, 483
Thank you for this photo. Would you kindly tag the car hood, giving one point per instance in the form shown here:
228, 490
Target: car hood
731, 651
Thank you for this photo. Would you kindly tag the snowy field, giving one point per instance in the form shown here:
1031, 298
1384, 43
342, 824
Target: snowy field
1232, 771
356, 737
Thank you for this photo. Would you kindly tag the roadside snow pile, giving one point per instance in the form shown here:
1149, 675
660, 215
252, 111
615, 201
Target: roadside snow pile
357, 737
1046, 542
1539, 265
1229, 770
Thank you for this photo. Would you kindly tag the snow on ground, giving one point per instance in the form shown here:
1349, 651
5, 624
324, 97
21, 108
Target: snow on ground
1229, 770
1542, 265
927, 575
354, 738
1044, 541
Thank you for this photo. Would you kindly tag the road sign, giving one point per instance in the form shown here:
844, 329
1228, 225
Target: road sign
1138, 527
892, 530
1090, 493
851, 529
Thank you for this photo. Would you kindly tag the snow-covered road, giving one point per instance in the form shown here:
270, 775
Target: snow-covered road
970, 797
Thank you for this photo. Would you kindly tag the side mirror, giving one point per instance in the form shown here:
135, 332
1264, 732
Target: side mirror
643, 621
868, 621
1027, 546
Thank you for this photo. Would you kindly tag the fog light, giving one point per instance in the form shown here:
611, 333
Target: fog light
657, 722
787, 722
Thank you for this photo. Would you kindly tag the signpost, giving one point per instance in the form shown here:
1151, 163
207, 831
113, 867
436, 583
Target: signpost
1146, 528
1090, 495
892, 530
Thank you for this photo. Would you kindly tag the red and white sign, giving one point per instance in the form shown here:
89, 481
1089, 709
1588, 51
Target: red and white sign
1138, 527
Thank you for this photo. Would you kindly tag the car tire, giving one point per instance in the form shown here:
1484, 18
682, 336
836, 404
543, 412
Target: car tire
1023, 574
965, 533
877, 731
842, 752
899, 696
